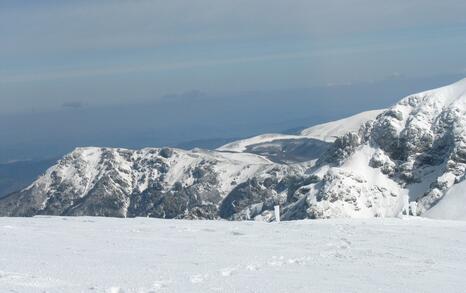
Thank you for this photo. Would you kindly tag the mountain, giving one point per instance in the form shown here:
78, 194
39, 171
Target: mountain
170, 182
413, 152
409, 158
165, 183
332, 130
327, 132
308, 145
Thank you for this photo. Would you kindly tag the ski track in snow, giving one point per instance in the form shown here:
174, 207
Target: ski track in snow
56, 254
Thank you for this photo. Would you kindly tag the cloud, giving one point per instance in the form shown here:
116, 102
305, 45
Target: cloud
147, 67
102, 25
191, 95
123, 50
73, 105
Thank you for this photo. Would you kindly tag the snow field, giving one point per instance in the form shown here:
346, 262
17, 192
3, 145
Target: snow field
85, 254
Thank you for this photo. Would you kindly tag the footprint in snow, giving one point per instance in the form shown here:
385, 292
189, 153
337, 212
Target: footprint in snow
429, 261
298, 261
276, 261
253, 267
196, 279
159, 285
227, 272
208, 230
115, 290
346, 241
236, 233
29, 280
344, 244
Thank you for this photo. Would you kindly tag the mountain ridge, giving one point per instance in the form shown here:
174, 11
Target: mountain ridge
403, 159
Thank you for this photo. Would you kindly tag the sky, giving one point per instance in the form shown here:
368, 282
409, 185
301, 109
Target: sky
63, 62
56, 53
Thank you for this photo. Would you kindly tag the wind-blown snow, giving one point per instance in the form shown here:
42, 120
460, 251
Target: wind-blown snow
141, 255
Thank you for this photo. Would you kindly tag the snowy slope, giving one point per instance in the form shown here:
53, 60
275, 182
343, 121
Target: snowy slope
453, 204
424, 139
45, 254
241, 145
406, 160
356, 190
331, 130
325, 132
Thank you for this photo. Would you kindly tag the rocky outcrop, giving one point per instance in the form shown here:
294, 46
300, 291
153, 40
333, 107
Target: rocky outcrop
162, 183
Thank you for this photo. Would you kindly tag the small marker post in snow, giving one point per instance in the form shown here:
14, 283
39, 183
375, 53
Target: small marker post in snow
277, 214
406, 205
413, 208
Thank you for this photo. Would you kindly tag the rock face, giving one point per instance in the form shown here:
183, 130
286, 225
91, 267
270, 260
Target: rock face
163, 183
412, 152
423, 138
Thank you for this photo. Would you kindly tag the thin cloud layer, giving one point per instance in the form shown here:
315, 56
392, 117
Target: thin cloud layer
55, 51
89, 25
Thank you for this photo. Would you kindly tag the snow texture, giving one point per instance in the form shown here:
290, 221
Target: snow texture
141, 255
331, 130
453, 204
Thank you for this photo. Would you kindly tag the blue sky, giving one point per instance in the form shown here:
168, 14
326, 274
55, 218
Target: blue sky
151, 72
107, 52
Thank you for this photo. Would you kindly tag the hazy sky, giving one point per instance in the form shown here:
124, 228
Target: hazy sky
56, 53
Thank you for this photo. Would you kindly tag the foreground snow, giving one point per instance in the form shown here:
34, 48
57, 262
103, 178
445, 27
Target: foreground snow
84, 254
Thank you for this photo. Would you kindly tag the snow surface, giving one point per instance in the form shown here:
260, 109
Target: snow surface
85, 254
326, 132
241, 145
331, 130
452, 205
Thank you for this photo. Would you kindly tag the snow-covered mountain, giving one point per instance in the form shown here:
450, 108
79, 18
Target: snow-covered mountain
413, 152
165, 183
332, 130
306, 146
410, 157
